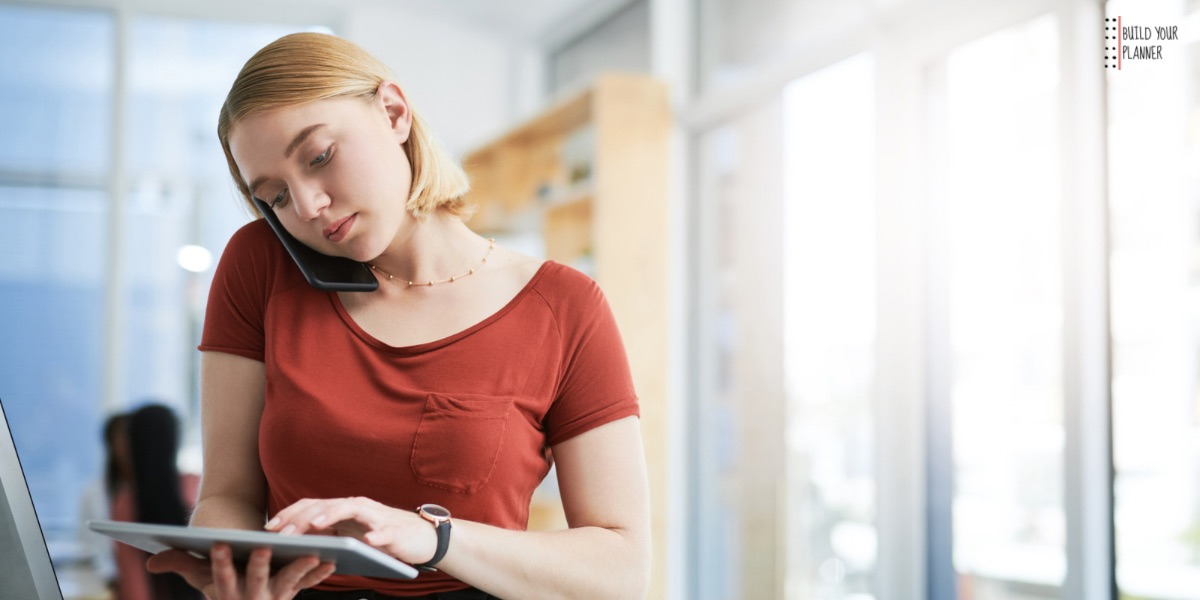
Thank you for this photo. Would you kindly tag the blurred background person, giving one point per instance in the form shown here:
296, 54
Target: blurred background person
157, 493
96, 500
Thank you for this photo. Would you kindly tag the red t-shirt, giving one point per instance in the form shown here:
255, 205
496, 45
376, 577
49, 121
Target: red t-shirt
464, 422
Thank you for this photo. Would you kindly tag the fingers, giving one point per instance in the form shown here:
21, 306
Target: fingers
258, 573
308, 515
288, 578
287, 520
300, 574
400, 533
219, 578
225, 577
196, 572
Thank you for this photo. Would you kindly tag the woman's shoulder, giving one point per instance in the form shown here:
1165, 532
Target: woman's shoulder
255, 235
254, 239
254, 257
566, 288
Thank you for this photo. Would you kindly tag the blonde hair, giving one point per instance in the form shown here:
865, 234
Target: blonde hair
307, 67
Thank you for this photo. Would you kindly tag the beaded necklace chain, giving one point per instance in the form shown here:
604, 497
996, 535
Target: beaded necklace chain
491, 244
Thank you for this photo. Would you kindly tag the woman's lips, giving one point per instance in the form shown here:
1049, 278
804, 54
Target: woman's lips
338, 229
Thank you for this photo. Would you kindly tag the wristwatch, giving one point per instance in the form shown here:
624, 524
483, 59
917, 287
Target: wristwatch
440, 517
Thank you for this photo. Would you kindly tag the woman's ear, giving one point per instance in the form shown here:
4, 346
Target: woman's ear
395, 106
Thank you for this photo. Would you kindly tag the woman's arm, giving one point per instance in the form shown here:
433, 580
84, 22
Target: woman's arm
605, 553
233, 488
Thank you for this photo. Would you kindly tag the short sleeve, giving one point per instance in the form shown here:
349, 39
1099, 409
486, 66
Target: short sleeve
235, 314
595, 386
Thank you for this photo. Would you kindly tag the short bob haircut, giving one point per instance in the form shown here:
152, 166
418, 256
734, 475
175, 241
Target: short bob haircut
306, 67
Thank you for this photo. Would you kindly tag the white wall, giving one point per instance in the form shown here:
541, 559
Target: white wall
464, 80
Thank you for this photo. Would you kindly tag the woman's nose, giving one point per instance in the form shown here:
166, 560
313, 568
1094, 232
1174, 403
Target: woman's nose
309, 202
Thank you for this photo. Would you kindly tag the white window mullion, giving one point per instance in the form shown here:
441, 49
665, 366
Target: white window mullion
1088, 494
113, 369
900, 571
670, 45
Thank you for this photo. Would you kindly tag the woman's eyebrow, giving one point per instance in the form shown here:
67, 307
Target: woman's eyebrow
287, 152
299, 139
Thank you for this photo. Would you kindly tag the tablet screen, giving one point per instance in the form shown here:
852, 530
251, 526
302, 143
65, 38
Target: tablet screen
351, 556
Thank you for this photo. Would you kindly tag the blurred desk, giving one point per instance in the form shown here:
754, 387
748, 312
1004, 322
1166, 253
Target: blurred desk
74, 566
81, 582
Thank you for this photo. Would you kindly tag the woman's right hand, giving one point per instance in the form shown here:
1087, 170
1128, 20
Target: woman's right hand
219, 579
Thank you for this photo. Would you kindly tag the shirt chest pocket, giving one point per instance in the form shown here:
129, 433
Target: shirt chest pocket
458, 440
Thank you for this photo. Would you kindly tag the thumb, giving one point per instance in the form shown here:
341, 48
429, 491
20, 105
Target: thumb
378, 537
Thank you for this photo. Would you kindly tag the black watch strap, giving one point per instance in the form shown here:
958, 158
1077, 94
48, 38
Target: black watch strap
443, 544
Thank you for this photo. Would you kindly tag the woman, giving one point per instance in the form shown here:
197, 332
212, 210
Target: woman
419, 417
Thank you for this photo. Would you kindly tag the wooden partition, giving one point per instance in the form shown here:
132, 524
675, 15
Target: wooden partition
589, 177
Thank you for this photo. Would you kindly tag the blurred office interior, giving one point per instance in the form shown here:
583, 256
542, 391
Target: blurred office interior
929, 275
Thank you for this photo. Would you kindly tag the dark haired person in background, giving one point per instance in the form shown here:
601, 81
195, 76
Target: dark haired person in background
158, 494
97, 498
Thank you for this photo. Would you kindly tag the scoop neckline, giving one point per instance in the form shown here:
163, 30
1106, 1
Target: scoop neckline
439, 343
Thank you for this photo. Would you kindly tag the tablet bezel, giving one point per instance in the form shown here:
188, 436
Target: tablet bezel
351, 556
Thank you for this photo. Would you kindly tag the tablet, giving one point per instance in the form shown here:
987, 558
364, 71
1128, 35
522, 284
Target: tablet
351, 556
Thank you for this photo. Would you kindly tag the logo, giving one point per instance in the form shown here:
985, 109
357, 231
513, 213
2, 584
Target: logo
1128, 43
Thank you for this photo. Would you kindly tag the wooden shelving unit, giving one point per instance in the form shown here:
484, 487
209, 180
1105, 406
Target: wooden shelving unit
589, 178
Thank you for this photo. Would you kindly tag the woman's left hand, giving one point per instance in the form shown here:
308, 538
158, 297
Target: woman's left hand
401, 533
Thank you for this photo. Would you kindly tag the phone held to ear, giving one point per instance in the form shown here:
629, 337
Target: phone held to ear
324, 272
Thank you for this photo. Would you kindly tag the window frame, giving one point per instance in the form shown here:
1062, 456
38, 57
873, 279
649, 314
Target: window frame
905, 41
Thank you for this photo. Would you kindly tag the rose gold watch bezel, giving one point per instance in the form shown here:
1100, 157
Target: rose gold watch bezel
432, 518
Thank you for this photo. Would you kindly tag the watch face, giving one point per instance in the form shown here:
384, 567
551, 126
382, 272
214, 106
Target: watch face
435, 511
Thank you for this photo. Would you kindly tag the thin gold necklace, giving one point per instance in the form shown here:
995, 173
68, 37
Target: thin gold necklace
491, 244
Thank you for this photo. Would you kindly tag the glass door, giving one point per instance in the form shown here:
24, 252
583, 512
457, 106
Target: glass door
996, 390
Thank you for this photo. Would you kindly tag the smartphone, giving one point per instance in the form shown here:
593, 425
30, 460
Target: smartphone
324, 272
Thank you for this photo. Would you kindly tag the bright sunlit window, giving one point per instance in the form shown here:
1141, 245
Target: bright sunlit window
1154, 167
829, 335
1000, 201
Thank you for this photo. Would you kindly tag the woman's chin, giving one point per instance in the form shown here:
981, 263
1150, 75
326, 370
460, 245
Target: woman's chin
359, 252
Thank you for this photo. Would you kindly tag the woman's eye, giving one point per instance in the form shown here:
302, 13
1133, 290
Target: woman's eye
278, 198
320, 160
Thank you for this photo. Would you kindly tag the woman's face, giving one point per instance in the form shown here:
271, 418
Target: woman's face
334, 171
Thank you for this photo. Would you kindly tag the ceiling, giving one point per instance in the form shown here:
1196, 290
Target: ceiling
547, 22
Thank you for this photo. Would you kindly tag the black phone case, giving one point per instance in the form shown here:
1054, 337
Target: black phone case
324, 272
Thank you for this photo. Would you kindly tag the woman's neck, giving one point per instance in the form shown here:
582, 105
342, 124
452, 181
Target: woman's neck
440, 247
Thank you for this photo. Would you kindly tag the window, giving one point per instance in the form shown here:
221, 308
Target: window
56, 83
621, 42
738, 442
179, 194
57, 177
785, 494
919, 433
736, 38
997, 263
1154, 147
829, 330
